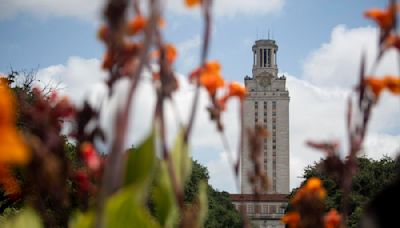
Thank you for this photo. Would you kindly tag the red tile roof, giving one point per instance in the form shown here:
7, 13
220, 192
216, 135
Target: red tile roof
261, 197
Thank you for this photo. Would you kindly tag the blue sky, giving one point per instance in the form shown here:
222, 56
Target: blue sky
320, 43
30, 39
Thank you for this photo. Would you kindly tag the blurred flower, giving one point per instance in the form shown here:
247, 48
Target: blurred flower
137, 24
12, 147
82, 180
103, 33
235, 89
377, 85
90, 156
170, 52
8, 182
312, 189
384, 18
392, 84
332, 219
192, 3
209, 76
292, 219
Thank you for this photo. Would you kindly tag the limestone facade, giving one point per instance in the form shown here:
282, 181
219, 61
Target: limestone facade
266, 105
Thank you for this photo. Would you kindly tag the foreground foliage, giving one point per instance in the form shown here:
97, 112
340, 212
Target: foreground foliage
373, 177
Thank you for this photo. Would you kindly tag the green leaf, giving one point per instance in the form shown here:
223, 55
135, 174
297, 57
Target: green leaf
181, 160
166, 207
124, 209
82, 220
202, 203
26, 218
140, 165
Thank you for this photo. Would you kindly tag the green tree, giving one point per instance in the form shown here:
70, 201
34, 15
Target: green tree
372, 177
221, 211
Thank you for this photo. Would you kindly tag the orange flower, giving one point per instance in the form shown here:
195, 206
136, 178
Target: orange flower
392, 84
8, 182
313, 188
236, 89
7, 105
12, 148
90, 156
103, 33
137, 24
192, 3
314, 185
211, 78
376, 85
384, 18
170, 51
292, 219
332, 219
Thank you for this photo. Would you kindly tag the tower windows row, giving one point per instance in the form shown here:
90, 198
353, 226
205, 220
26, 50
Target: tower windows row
264, 57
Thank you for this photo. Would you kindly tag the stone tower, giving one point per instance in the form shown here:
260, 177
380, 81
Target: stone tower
267, 105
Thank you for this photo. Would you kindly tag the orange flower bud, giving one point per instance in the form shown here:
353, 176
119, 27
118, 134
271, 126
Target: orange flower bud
103, 33
12, 147
192, 3
376, 85
209, 76
8, 182
392, 84
292, 219
313, 184
90, 156
384, 18
236, 89
137, 24
332, 219
171, 53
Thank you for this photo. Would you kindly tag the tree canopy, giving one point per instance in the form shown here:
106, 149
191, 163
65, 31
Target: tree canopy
372, 177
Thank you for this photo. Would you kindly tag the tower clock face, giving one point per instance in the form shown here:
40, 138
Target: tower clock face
264, 81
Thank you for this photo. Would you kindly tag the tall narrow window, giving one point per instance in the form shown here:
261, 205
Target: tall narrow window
265, 57
269, 57
254, 58
260, 57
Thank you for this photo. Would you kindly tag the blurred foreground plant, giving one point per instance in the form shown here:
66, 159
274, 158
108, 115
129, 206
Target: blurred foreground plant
116, 189
366, 95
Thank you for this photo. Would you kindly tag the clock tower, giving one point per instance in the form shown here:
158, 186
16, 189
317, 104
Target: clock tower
266, 105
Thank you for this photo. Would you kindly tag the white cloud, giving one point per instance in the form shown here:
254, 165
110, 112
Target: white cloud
233, 7
189, 53
90, 9
221, 173
337, 63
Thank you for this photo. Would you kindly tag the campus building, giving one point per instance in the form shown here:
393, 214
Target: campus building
266, 105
